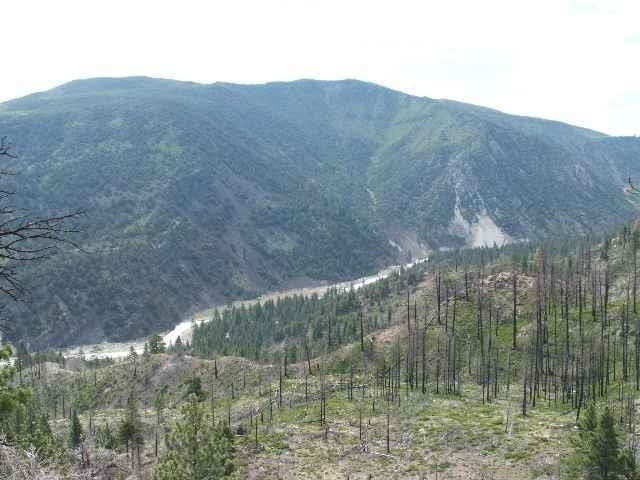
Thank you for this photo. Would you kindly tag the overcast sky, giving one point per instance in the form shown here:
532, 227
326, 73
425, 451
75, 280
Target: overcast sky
575, 61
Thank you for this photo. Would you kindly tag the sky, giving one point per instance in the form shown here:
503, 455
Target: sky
576, 61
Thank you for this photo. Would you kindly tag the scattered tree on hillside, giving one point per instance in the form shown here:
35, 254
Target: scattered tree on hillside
156, 344
106, 438
133, 361
194, 387
130, 431
196, 450
597, 451
75, 433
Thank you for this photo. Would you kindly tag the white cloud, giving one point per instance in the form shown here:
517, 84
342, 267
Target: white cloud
574, 61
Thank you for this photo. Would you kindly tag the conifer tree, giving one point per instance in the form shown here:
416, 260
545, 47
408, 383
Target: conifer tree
598, 455
194, 387
75, 435
133, 360
605, 456
156, 343
131, 428
589, 421
13, 398
196, 449
105, 437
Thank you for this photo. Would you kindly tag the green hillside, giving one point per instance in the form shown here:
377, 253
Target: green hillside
198, 194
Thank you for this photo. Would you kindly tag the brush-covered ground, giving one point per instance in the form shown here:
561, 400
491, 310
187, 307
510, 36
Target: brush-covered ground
453, 410
454, 434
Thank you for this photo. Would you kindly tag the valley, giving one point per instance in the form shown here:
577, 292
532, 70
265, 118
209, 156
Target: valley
294, 240
184, 329
201, 194
202, 324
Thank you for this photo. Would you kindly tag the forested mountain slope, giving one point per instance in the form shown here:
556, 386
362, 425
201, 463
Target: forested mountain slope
196, 194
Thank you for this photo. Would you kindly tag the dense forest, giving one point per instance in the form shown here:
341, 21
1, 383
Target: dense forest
200, 194
279, 327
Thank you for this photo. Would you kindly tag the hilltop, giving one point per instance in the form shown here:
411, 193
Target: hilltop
201, 194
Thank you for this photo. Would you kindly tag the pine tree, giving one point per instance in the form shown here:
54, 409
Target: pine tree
133, 360
580, 461
597, 453
628, 464
194, 387
589, 421
131, 428
105, 437
75, 435
42, 439
156, 344
605, 457
13, 398
196, 450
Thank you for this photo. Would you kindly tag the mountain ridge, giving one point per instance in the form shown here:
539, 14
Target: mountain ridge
159, 80
202, 193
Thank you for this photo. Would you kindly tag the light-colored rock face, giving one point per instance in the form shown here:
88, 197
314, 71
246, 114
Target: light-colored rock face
406, 242
482, 233
485, 233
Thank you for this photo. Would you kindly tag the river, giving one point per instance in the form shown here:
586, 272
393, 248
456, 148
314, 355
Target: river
184, 328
